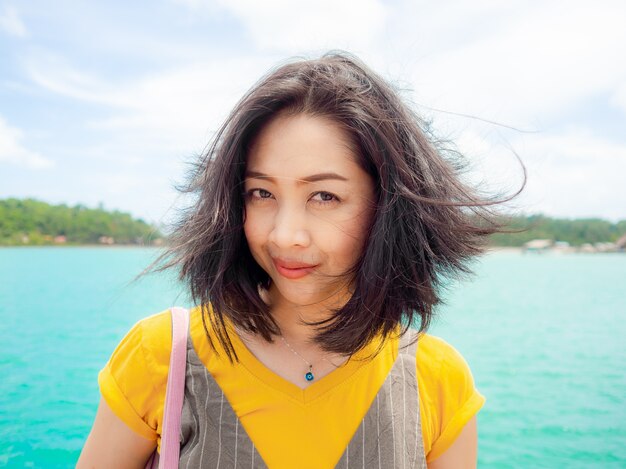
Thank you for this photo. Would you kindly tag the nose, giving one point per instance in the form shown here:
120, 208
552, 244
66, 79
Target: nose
290, 228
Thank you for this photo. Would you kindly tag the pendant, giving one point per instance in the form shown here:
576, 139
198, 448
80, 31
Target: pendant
309, 376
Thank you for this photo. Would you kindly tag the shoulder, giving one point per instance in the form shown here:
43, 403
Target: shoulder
149, 339
154, 334
448, 395
438, 359
133, 380
443, 372
156, 341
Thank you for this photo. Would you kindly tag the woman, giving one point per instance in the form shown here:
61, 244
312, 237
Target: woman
325, 221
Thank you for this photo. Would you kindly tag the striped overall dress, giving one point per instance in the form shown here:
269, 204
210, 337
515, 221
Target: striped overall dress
389, 436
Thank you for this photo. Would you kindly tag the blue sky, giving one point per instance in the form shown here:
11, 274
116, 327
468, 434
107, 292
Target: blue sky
106, 101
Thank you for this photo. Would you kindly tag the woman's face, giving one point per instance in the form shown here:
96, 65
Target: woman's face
308, 206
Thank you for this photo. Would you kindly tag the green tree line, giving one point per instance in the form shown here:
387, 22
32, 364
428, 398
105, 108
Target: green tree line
38, 222
574, 231
30, 221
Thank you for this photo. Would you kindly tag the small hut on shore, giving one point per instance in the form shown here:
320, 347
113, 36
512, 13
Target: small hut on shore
538, 245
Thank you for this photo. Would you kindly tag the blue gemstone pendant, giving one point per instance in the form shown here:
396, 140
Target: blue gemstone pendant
309, 376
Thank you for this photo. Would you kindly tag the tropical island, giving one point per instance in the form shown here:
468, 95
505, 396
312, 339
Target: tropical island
28, 222
541, 233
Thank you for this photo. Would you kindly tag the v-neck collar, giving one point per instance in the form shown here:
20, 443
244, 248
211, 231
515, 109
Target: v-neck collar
303, 396
314, 390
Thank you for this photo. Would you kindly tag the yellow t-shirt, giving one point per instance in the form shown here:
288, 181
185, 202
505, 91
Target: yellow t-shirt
286, 422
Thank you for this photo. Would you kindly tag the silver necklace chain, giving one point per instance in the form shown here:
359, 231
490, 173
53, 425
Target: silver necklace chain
308, 376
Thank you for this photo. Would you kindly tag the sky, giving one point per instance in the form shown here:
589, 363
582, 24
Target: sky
108, 102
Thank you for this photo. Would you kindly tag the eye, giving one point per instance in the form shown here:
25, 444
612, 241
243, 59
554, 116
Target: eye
257, 194
325, 198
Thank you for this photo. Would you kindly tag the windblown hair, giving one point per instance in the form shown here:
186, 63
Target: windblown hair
427, 227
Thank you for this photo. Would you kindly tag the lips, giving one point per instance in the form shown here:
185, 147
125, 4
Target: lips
292, 269
292, 264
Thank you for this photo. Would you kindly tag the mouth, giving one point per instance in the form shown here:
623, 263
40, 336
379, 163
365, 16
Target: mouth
293, 270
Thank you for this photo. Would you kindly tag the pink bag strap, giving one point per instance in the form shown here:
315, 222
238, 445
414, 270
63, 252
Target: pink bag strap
170, 443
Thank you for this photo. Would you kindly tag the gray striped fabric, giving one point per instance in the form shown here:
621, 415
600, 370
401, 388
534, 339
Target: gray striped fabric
389, 437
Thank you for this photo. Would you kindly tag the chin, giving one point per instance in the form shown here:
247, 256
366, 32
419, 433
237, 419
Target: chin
300, 298
305, 295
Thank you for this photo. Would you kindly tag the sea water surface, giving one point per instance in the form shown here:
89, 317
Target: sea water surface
544, 335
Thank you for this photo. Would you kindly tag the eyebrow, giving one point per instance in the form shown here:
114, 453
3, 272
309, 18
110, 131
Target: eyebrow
312, 178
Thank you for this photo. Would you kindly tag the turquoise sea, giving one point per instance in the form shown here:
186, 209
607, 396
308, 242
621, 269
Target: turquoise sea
545, 336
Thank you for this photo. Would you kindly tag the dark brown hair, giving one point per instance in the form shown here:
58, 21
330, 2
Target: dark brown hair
428, 224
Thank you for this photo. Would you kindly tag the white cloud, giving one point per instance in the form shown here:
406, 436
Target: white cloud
55, 74
284, 25
287, 25
619, 97
13, 152
573, 173
11, 23
526, 65
177, 108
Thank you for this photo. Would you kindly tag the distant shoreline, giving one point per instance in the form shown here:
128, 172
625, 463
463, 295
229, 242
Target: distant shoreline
522, 250
504, 249
489, 250
103, 246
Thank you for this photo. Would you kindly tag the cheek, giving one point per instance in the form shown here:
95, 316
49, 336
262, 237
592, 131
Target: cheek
254, 229
347, 244
254, 240
250, 230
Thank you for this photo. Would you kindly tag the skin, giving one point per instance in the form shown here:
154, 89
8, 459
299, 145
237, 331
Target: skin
463, 452
111, 443
322, 222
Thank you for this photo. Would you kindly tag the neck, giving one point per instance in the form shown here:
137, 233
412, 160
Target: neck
292, 323
286, 356
292, 318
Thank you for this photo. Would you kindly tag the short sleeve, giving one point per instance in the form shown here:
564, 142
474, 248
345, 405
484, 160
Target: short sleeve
451, 397
133, 381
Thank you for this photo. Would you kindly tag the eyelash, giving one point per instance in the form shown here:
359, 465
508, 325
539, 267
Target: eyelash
249, 196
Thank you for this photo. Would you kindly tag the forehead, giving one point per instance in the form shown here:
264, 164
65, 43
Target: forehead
296, 146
